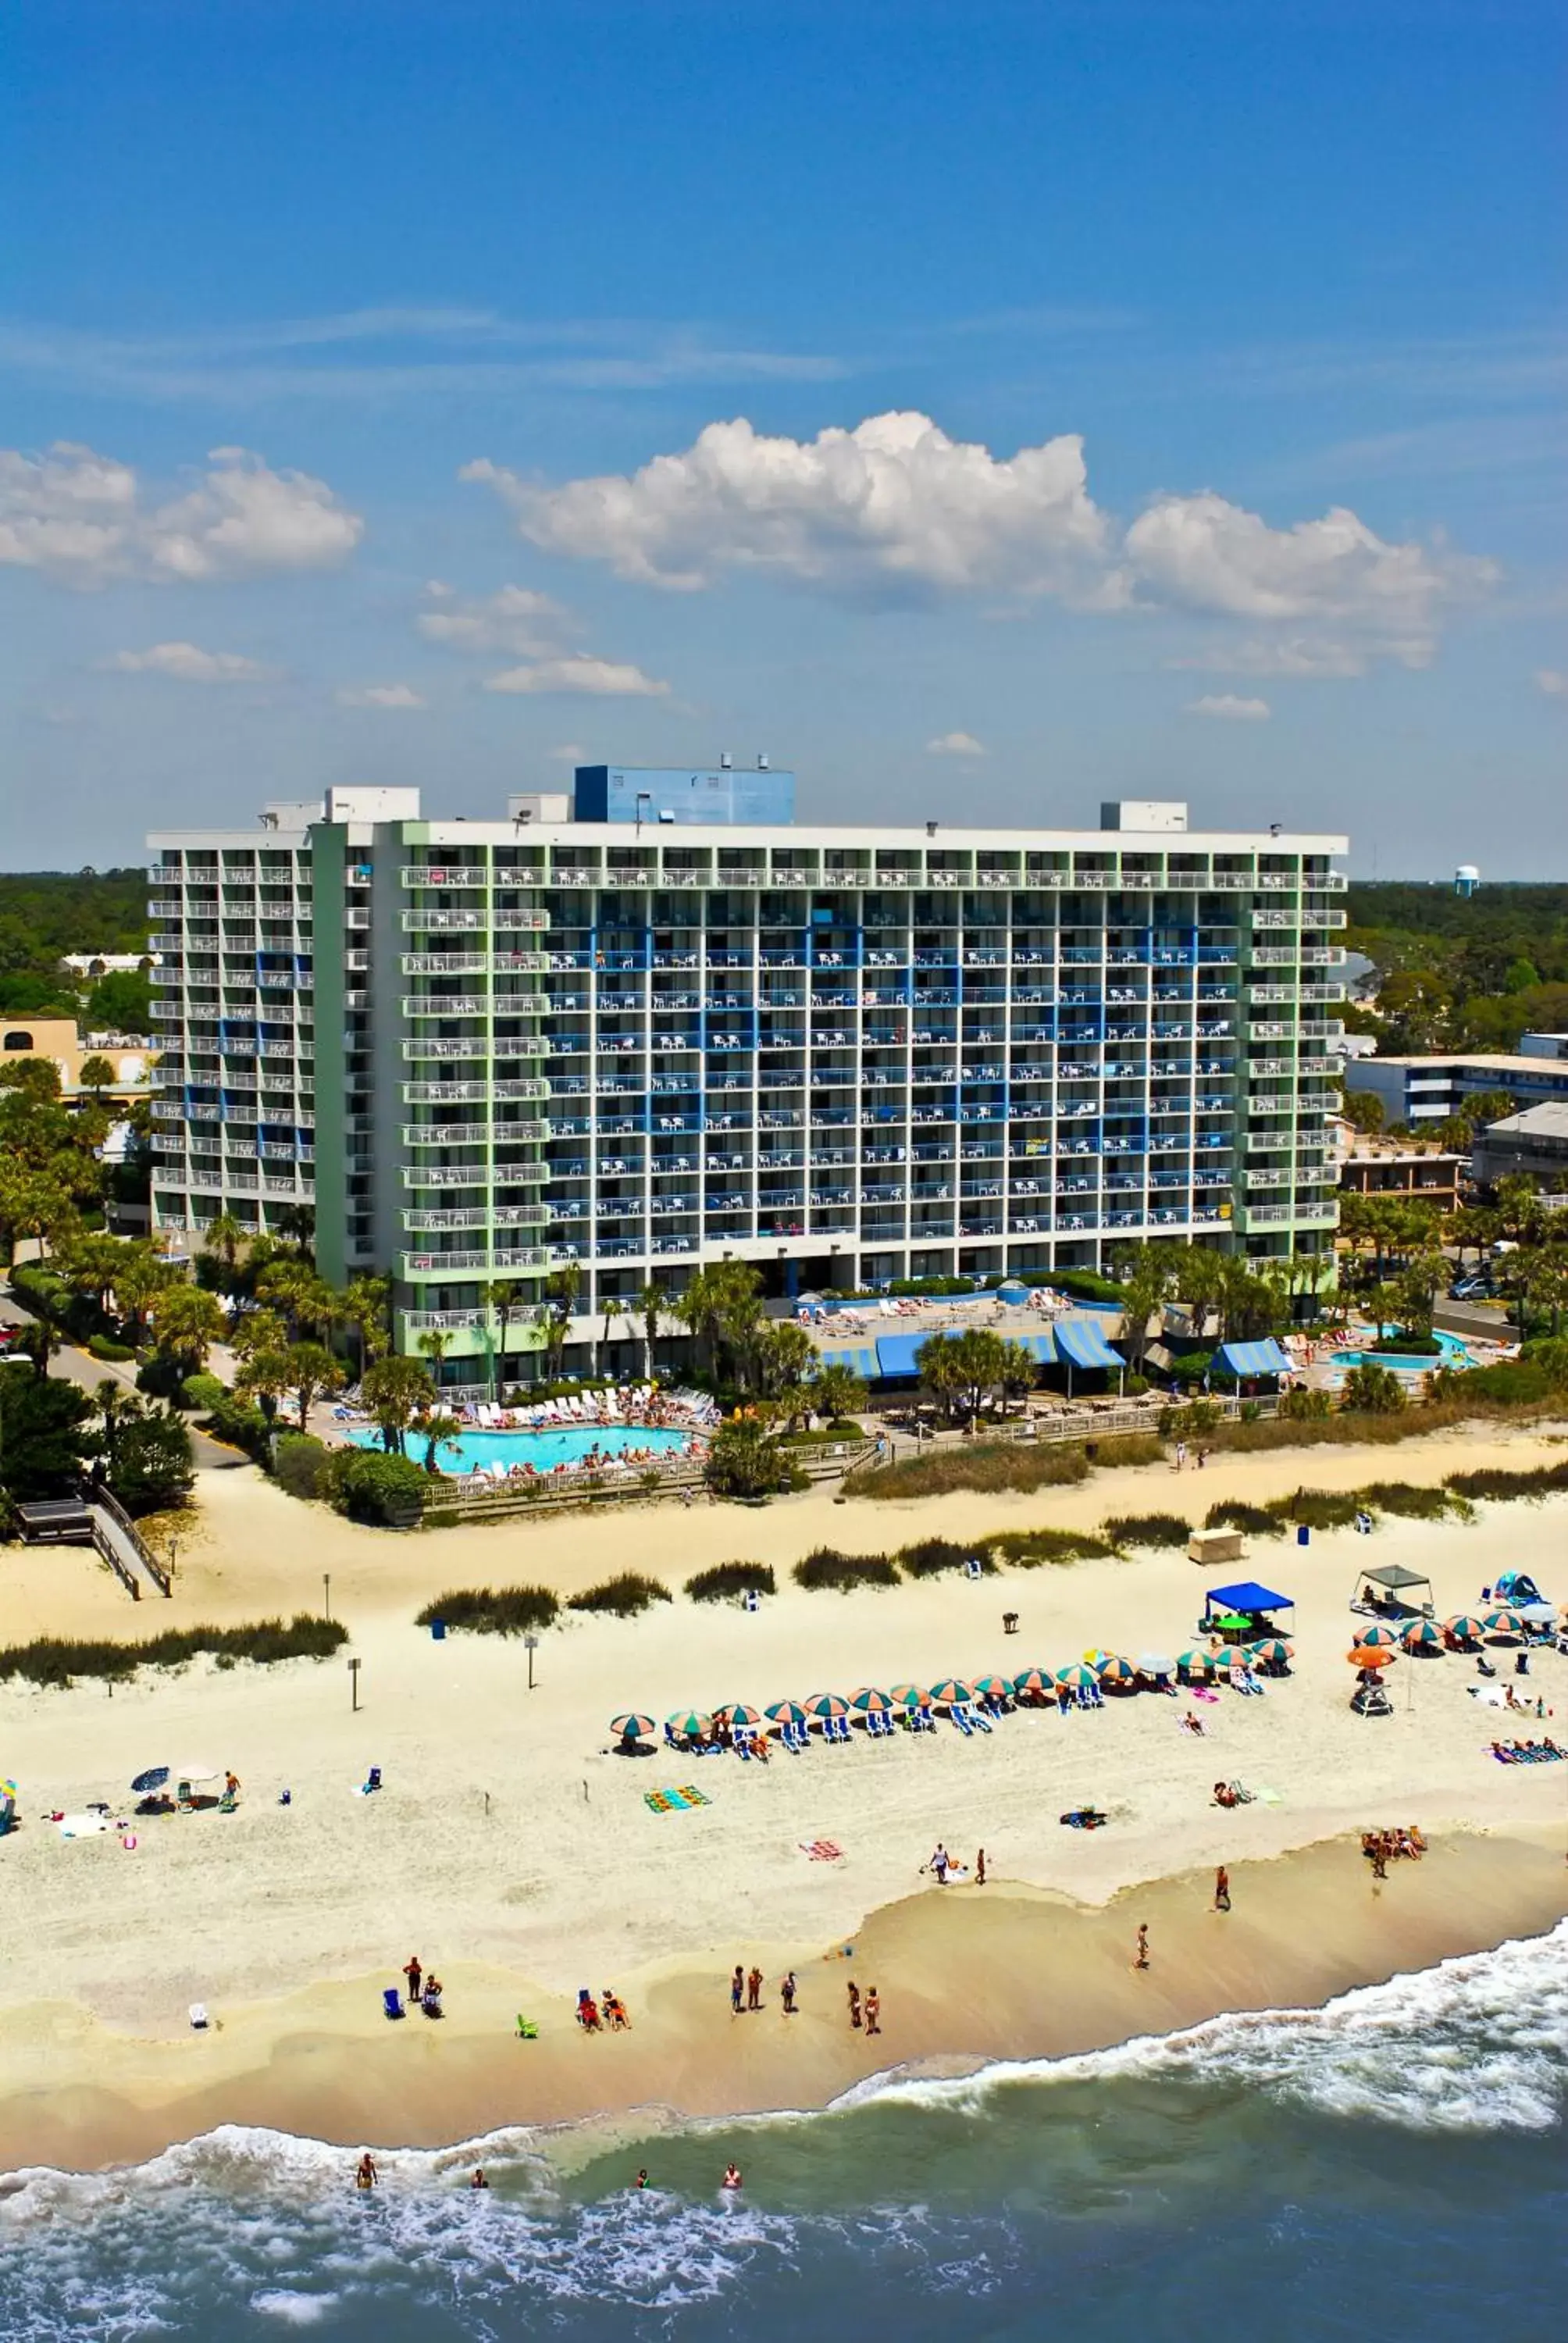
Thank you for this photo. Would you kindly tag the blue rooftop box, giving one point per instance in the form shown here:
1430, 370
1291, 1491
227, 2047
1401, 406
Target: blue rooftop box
656, 794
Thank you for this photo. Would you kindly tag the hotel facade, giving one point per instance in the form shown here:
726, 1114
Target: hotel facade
665, 1025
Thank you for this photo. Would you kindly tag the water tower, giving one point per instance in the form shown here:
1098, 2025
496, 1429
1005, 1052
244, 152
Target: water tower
1466, 879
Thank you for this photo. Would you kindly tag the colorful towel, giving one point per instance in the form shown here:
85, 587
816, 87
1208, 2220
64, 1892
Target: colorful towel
821, 1850
663, 1801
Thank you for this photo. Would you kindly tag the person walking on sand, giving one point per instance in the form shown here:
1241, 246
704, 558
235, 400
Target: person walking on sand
1141, 1957
736, 1989
787, 1994
854, 2005
1180, 1454
940, 1864
754, 1990
980, 1868
873, 2011
1222, 1889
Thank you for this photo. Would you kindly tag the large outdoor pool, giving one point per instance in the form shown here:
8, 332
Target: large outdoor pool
1451, 1352
471, 1451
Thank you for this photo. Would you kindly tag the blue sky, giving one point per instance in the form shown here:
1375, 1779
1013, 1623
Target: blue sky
984, 410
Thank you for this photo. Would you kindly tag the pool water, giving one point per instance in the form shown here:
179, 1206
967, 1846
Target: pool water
1451, 1352
563, 1444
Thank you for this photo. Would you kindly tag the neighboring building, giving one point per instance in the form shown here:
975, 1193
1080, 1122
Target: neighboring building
484, 1050
56, 1038
1429, 1090
1543, 1045
1536, 1142
95, 964
1372, 1168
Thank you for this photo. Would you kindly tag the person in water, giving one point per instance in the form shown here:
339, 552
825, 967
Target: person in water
642, 2175
478, 2181
732, 2176
366, 2176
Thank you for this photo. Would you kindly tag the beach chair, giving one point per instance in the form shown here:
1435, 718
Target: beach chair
391, 2001
526, 2030
980, 1721
199, 2017
838, 1727
960, 1717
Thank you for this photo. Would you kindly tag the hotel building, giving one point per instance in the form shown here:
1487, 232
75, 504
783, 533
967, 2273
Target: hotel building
666, 1025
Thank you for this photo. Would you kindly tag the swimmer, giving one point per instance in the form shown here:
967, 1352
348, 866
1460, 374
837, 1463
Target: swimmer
642, 2175
366, 2176
478, 2181
731, 2177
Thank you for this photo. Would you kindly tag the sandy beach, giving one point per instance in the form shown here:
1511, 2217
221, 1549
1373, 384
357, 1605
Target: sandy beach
511, 1850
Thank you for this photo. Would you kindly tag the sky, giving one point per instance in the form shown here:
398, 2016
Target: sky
983, 411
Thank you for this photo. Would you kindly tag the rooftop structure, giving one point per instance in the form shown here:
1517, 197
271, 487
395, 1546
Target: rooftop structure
1534, 1143
1414, 1090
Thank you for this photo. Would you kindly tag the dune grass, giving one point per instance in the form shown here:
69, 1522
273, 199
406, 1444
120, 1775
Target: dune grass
492, 1609
59, 1660
1148, 1529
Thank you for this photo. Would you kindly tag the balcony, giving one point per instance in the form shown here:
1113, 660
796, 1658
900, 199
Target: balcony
441, 1264
477, 1045
475, 963
433, 918
420, 874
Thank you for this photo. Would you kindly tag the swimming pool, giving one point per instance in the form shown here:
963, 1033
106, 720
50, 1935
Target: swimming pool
468, 1452
1451, 1352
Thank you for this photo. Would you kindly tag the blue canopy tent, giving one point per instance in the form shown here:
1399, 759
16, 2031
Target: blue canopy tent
1246, 1597
1080, 1343
1245, 1358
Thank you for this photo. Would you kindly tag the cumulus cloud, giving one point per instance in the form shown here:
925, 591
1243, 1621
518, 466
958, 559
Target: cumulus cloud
1228, 708
85, 520
892, 505
380, 695
594, 679
955, 744
1306, 657
516, 619
188, 663
1552, 681
569, 752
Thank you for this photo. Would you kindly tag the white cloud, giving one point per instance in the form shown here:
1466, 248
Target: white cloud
1552, 681
594, 679
381, 695
1306, 657
955, 744
570, 753
85, 520
188, 663
515, 619
893, 505
1228, 708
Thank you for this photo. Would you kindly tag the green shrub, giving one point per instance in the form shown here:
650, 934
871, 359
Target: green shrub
299, 1463
928, 1557
1512, 1383
1148, 1529
1410, 1503
1087, 1284
744, 1461
1024, 1464
1304, 1407
1256, 1521
624, 1597
369, 1486
726, 1580
148, 1465
1372, 1389
1028, 1549
238, 1426
99, 1346
1550, 1355
1320, 1509
845, 1572
160, 1377
1402, 1345
492, 1611
203, 1393
1124, 1448
1499, 1483
59, 1661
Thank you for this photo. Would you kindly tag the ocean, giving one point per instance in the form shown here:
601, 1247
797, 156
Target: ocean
1393, 2166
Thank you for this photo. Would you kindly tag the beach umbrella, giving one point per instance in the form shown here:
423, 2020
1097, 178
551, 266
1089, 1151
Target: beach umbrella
689, 1724
1273, 1651
152, 1779
632, 1727
1231, 1622
1371, 1637
1464, 1629
1155, 1664
994, 1687
8, 1790
1032, 1680
911, 1695
1423, 1635
827, 1703
739, 1713
869, 1701
1079, 1676
1114, 1670
1197, 1664
951, 1693
1504, 1622
197, 1772
1371, 1655
787, 1712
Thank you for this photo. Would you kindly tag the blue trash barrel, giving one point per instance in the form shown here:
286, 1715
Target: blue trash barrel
1303, 1534
438, 1631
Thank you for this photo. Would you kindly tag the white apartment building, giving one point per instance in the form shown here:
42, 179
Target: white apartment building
673, 1032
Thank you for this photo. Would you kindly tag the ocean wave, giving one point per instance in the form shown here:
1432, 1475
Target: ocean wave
1478, 2043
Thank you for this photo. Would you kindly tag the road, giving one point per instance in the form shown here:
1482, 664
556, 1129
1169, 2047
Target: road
80, 1367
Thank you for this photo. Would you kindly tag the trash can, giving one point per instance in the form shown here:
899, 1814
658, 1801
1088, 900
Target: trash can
438, 1631
1303, 1533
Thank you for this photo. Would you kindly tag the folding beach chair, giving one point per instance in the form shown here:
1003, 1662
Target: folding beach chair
391, 2001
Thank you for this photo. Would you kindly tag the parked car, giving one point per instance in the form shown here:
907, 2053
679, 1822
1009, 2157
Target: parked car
1472, 1289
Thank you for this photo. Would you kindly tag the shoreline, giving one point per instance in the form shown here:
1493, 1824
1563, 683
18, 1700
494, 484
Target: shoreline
970, 1978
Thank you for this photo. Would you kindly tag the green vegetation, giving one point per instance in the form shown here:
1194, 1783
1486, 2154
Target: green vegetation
845, 1572
1319, 1509
1497, 1483
1255, 1521
725, 1581
1409, 1502
1148, 1529
1029, 1549
1458, 973
1124, 1448
44, 915
929, 1557
979, 1464
1373, 1391
58, 1661
746, 1460
388, 1492
300, 1463
492, 1609
144, 1450
624, 1597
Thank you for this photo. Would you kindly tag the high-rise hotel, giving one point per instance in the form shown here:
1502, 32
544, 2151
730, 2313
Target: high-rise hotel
662, 1025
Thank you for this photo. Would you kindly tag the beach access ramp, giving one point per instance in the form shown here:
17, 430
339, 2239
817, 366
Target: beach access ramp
94, 1517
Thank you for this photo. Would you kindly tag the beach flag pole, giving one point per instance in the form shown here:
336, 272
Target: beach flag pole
530, 1645
354, 1684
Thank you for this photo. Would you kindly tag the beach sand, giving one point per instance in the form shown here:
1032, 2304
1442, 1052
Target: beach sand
514, 1853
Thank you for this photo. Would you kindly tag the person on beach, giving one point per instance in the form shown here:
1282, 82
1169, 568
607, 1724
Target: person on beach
980, 1868
1140, 1956
1222, 1889
854, 2005
754, 1990
786, 1992
366, 2176
940, 1864
736, 1989
732, 2176
231, 1783
873, 2011
413, 1972
642, 2175
1180, 1454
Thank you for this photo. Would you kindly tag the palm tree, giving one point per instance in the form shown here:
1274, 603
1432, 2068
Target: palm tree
367, 1307
434, 1344
557, 1312
502, 1296
396, 1389
648, 1305
313, 1373
836, 1392
95, 1077
434, 1430
608, 1303
225, 1237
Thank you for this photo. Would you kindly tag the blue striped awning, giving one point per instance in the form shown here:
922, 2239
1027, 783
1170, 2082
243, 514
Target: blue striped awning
1264, 1358
897, 1354
861, 1360
1080, 1343
1040, 1346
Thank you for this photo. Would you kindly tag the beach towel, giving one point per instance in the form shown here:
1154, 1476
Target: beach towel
821, 1850
1268, 1797
663, 1802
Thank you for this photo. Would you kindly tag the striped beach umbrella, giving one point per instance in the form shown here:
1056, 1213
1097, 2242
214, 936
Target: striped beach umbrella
1423, 1635
994, 1687
1273, 1651
1114, 1670
911, 1695
631, 1726
739, 1712
1197, 1664
1463, 1629
824, 1704
689, 1724
1078, 1677
787, 1712
1032, 1680
8, 1790
1371, 1656
1504, 1622
1379, 1632
951, 1693
869, 1701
